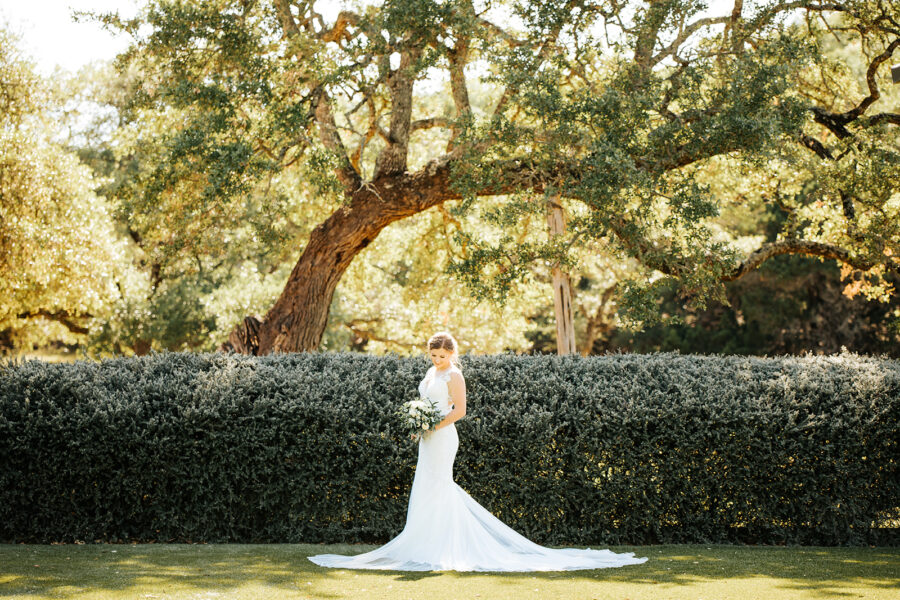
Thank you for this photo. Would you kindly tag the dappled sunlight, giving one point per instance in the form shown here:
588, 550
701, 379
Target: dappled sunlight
129, 569
283, 571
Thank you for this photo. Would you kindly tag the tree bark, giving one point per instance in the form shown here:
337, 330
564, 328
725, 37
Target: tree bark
297, 320
562, 288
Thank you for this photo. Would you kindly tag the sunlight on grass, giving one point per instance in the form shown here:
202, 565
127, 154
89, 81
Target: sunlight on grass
105, 571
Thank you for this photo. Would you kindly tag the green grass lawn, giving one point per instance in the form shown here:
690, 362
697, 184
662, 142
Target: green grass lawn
282, 571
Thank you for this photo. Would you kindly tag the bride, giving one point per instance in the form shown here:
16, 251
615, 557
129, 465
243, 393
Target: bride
445, 528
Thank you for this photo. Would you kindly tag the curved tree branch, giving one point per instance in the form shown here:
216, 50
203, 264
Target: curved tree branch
328, 132
60, 316
874, 93
798, 246
892, 118
684, 35
429, 123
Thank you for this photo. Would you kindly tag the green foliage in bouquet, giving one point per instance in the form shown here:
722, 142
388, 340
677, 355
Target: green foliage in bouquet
419, 416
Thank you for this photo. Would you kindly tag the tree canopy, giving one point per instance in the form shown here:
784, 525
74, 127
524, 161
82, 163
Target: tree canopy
615, 108
60, 254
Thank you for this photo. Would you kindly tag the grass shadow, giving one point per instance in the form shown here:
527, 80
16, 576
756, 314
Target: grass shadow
124, 570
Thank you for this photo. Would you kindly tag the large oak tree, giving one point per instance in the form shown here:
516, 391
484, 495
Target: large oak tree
605, 105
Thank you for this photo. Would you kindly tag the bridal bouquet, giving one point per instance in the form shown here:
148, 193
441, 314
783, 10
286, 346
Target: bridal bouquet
419, 416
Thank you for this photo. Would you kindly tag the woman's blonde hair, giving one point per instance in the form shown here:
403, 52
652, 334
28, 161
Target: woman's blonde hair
442, 340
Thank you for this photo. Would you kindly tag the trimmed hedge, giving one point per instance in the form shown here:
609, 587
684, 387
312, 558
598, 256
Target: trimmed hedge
608, 449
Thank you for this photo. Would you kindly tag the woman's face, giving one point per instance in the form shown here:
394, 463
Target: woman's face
440, 358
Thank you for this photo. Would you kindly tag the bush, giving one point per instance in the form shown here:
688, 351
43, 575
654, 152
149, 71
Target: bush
609, 449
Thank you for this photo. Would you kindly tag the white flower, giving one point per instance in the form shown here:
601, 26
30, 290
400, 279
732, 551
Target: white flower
424, 425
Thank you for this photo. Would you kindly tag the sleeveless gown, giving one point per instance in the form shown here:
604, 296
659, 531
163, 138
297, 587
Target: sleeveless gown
448, 530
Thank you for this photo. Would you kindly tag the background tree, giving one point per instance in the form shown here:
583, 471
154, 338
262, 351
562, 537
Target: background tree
191, 299
605, 104
60, 254
796, 304
640, 140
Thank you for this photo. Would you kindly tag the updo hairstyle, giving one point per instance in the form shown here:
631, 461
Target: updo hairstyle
442, 340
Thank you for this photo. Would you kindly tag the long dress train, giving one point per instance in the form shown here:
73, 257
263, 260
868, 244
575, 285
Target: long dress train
446, 529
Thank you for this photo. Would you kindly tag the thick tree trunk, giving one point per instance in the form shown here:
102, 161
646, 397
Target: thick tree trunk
562, 289
297, 320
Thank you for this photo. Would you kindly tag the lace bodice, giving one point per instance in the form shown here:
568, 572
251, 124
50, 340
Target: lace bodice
435, 387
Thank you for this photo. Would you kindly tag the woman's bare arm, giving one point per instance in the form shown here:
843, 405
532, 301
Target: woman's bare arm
457, 388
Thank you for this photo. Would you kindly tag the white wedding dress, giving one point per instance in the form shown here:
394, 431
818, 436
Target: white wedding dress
447, 530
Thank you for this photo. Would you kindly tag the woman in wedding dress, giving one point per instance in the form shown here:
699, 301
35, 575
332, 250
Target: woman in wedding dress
445, 528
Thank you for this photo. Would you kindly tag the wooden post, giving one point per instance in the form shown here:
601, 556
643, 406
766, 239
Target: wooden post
562, 289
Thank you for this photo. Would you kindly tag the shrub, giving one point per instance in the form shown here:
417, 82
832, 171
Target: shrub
614, 449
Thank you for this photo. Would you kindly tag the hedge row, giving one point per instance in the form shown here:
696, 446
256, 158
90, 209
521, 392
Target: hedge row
567, 450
